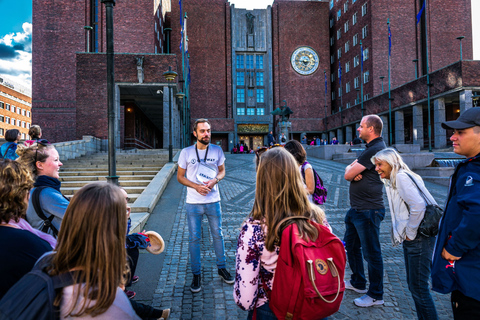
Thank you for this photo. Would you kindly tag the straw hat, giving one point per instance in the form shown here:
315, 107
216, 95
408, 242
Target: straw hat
156, 241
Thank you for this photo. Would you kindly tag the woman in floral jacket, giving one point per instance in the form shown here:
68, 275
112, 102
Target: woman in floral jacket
279, 194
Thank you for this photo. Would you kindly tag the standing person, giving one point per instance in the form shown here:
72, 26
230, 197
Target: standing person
317, 141
334, 141
271, 139
44, 163
35, 133
304, 139
362, 222
278, 194
283, 139
8, 149
201, 167
456, 259
407, 208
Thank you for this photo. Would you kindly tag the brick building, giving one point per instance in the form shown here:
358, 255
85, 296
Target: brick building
236, 66
15, 108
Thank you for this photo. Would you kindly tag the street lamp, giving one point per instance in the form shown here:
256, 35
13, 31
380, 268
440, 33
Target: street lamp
170, 77
415, 61
460, 39
381, 78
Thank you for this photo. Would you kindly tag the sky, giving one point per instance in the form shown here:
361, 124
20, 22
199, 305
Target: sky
16, 36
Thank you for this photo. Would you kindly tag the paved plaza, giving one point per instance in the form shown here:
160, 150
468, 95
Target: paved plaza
166, 278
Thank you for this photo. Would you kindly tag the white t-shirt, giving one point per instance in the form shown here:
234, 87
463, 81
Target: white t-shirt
188, 160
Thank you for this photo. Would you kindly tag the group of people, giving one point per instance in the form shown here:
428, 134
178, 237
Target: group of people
87, 235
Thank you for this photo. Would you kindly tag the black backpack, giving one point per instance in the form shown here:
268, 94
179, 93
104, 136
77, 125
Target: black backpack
47, 222
32, 297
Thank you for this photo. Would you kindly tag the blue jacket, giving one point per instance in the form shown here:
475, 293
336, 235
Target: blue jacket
10, 154
461, 221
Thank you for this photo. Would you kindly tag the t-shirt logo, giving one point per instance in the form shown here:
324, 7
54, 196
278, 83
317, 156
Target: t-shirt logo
193, 161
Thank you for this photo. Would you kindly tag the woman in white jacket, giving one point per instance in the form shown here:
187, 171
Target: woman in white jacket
407, 208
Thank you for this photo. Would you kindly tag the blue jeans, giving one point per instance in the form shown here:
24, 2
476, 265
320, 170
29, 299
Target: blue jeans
362, 235
195, 214
418, 261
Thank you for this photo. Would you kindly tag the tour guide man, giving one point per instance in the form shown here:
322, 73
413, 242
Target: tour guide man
203, 164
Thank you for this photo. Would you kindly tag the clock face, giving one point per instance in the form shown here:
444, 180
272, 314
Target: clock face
304, 60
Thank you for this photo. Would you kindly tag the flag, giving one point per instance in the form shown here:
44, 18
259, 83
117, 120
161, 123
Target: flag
340, 71
181, 24
389, 40
361, 55
419, 15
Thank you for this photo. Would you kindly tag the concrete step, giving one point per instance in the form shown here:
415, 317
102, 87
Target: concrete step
105, 168
104, 178
131, 196
103, 164
123, 183
105, 173
130, 190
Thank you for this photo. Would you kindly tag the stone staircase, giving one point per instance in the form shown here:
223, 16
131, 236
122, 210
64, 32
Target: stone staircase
135, 170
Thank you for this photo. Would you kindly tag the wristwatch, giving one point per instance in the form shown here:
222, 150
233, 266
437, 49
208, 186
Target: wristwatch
217, 179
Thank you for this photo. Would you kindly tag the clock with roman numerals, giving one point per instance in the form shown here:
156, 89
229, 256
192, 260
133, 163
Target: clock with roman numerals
304, 60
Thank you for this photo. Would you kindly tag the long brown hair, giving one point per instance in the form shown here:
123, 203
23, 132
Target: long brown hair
280, 193
29, 156
92, 241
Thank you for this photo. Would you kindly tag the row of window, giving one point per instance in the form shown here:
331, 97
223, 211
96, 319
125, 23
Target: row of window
14, 109
345, 9
251, 111
339, 33
14, 122
2, 133
241, 78
260, 95
246, 61
356, 84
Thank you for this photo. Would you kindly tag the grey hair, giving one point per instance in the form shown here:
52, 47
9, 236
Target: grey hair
394, 159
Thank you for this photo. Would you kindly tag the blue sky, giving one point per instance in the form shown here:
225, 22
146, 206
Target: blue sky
16, 35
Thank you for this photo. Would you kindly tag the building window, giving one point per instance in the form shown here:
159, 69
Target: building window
366, 96
2, 105
249, 61
332, 41
259, 61
347, 46
23, 136
13, 122
240, 95
260, 111
345, 7
364, 32
13, 109
333, 95
28, 114
240, 111
354, 19
345, 26
250, 111
23, 124
332, 59
28, 125
250, 93
240, 79
23, 112
347, 66
339, 14
365, 54
347, 87
331, 4
356, 82
7, 120
331, 22
2, 133
348, 105
259, 78
356, 61
339, 53
366, 76
355, 39
260, 95
339, 92
240, 62
339, 33
7, 106
2, 118
364, 9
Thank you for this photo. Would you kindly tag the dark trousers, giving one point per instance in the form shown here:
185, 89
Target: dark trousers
362, 237
464, 308
145, 311
132, 257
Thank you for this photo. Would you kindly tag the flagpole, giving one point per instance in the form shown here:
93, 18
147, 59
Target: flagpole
325, 119
341, 97
428, 83
361, 76
389, 87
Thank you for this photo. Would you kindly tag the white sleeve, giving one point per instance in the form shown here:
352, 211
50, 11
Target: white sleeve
409, 192
221, 157
182, 159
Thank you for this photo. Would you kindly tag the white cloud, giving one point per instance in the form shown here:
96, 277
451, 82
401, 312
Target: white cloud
16, 55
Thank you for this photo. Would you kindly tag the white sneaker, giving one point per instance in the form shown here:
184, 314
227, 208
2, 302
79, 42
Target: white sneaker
367, 301
349, 286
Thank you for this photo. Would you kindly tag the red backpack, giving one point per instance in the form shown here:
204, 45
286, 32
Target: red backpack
308, 281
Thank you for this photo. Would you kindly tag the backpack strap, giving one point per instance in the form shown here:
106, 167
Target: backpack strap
2, 156
47, 222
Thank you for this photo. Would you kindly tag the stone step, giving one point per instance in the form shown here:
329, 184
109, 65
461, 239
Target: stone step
123, 183
105, 168
130, 190
104, 178
100, 164
105, 173
131, 196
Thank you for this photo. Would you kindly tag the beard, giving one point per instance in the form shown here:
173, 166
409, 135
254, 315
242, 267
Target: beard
205, 141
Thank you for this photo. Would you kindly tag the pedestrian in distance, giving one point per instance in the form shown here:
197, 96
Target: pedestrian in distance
406, 191
456, 258
279, 193
201, 167
283, 139
8, 149
334, 141
21, 244
35, 133
362, 222
271, 139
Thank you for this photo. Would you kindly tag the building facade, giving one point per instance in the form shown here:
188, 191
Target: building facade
15, 108
326, 60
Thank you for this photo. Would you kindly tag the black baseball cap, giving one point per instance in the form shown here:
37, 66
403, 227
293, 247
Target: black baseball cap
469, 118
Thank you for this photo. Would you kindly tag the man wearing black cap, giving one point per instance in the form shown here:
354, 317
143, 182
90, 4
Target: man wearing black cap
456, 259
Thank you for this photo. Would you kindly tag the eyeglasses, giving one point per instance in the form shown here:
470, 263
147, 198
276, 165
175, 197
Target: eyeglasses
42, 142
260, 151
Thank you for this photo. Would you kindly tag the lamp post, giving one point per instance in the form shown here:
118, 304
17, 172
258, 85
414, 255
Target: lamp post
381, 78
112, 169
170, 77
460, 39
415, 61
88, 30
180, 95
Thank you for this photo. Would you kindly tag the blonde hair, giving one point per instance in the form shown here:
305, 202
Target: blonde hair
92, 240
394, 160
280, 193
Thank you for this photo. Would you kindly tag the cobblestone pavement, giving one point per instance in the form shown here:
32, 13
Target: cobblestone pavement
215, 300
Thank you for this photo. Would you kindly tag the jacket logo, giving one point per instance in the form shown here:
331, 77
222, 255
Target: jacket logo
469, 181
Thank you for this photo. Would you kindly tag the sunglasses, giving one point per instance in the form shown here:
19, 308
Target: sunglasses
42, 142
260, 151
